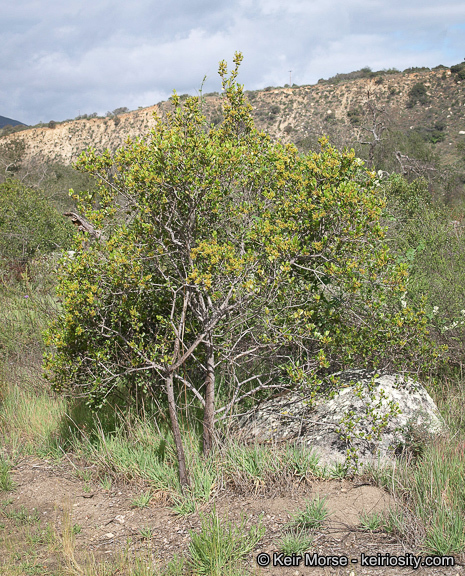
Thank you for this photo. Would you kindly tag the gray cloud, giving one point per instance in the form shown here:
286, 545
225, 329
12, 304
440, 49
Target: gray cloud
60, 59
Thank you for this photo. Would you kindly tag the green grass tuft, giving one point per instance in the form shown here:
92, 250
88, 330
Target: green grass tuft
312, 517
142, 501
295, 542
218, 548
6, 482
371, 522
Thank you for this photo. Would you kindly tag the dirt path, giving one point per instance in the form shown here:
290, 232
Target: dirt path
57, 499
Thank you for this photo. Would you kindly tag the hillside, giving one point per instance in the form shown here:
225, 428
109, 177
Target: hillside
4, 121
428, 103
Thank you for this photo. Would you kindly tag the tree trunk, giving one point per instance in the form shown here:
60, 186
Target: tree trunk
183, 478
209, 412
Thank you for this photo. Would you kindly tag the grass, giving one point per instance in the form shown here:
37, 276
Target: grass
6, 482
435, 489
136, 449
218, 547
432, 482
339, 470
29, 414
312, 517
106, 482
303, 463
31, 419
298, 537
85, 475
142, 501
295, 542
21, 516
371, 522
184, 504
146, 533
36, 549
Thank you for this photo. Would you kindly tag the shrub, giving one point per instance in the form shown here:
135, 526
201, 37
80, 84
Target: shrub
225, 255
433, 134
423, 236
275, 109
417, 94
458, 69
414, 69
354, 116
29, 225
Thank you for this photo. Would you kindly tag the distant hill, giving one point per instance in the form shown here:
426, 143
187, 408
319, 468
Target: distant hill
410, 122
4, 121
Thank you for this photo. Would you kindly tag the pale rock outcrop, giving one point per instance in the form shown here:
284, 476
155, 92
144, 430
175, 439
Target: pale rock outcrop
290, 417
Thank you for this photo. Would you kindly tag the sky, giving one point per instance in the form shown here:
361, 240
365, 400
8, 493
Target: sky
61, 59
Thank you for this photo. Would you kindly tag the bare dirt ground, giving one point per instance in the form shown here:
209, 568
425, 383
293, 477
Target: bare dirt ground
105, 522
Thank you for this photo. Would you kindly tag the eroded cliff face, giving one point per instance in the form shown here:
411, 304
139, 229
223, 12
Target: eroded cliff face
296, 114
66, 141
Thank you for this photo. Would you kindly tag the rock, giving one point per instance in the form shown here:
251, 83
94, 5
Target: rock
291, 417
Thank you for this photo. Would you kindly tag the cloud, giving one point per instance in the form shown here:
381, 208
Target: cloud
59, 59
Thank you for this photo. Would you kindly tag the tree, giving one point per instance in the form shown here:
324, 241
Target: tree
375, 129
11, 158
223, 253
117, 111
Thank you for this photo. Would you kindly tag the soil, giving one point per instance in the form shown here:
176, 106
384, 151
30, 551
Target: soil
106, 521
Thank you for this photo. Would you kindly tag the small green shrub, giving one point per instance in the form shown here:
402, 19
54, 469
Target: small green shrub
432, 134
355, 116
29, 225
417, 94
77, 529
459, 70
422, 235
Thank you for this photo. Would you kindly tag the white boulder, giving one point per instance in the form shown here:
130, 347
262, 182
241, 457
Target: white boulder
376, 416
